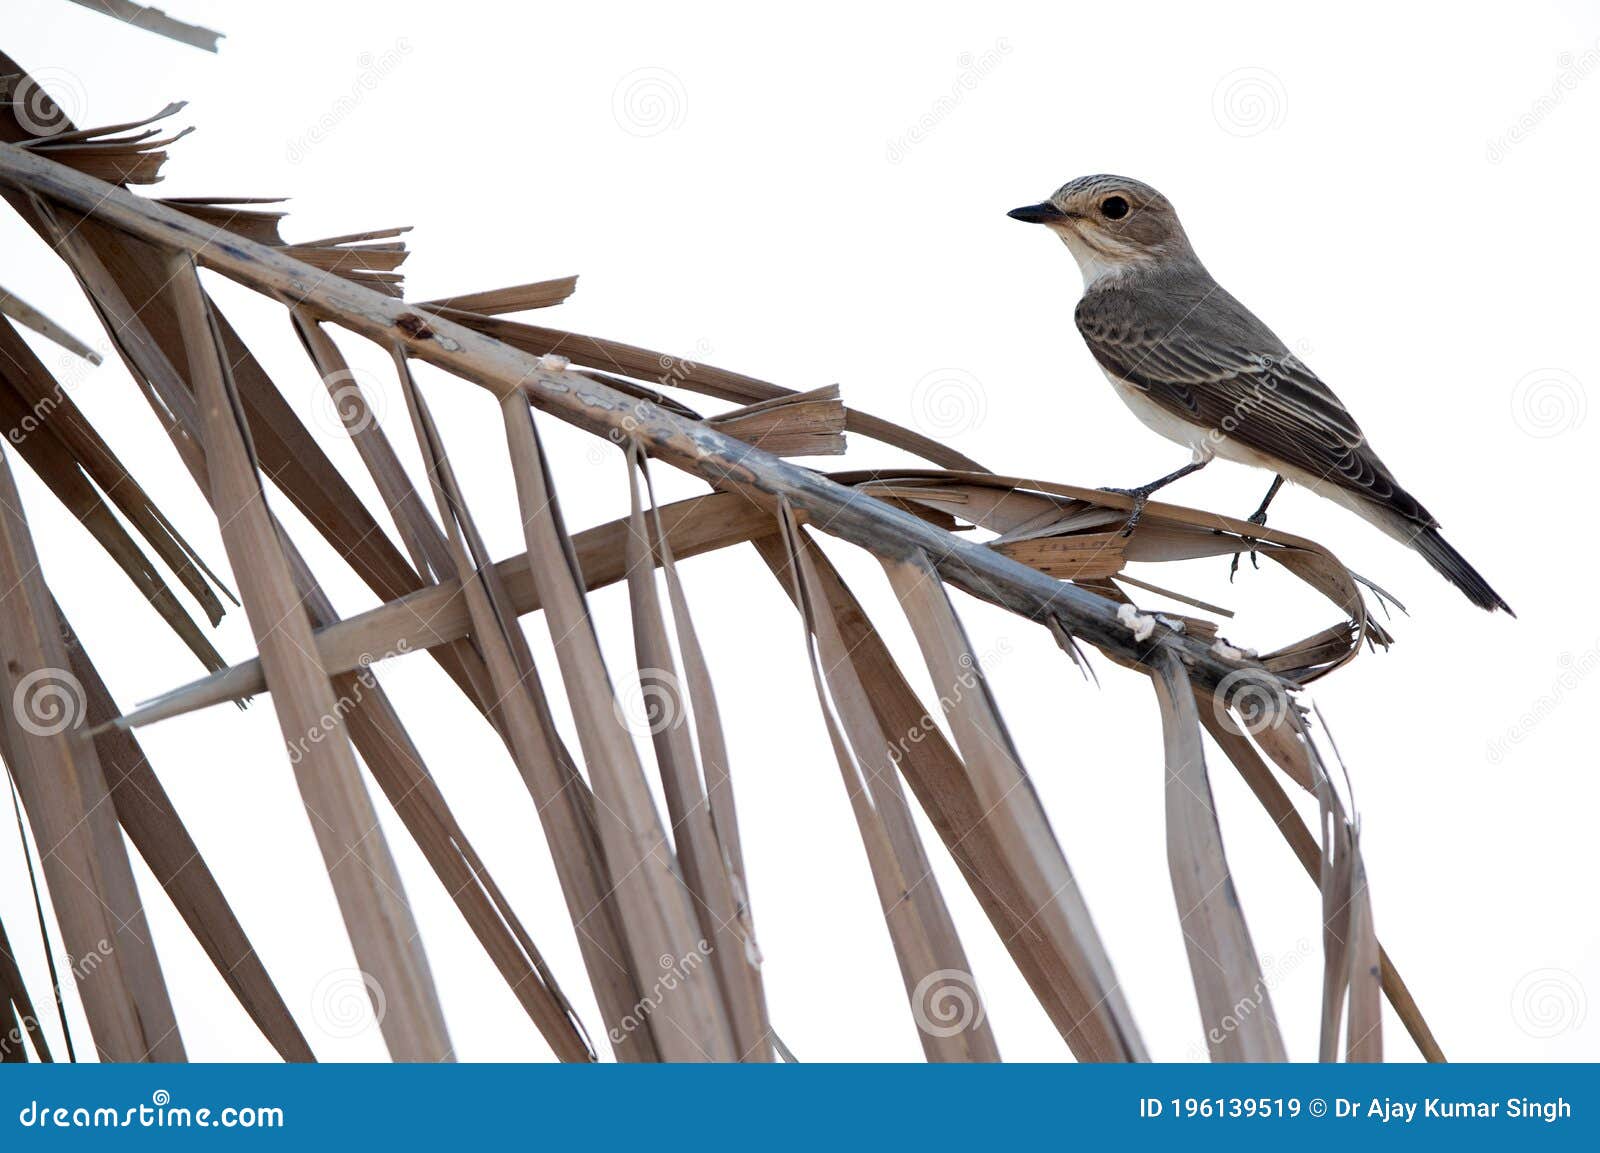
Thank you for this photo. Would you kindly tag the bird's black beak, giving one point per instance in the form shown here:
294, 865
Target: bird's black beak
1042, 213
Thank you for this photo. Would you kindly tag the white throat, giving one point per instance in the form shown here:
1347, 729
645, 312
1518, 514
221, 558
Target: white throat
1099, 263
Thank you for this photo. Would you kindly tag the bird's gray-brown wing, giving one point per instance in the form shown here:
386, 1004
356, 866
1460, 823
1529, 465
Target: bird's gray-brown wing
1215, 365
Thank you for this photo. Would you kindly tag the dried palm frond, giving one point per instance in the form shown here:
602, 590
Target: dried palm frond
644, 891
30, 317
155, 20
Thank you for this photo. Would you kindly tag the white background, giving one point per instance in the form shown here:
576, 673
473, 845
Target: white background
1407, 197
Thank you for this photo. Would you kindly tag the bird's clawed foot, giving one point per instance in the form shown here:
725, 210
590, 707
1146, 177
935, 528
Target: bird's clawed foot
1141, 495
1259, 517
1255, 557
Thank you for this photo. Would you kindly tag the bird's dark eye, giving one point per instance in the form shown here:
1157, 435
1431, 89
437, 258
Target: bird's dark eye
1113, 208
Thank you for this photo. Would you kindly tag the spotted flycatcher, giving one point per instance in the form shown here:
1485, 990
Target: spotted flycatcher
1199, 368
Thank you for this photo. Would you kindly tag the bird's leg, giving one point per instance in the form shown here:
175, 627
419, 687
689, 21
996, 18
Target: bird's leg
1142, 494
1257, 517
1260, 515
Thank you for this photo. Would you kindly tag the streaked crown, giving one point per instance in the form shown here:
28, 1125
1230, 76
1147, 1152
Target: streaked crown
1123, 210
1112, 221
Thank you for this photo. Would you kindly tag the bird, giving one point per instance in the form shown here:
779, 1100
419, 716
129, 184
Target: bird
1199, 368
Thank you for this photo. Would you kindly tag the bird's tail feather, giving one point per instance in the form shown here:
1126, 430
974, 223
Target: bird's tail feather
1454, 568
